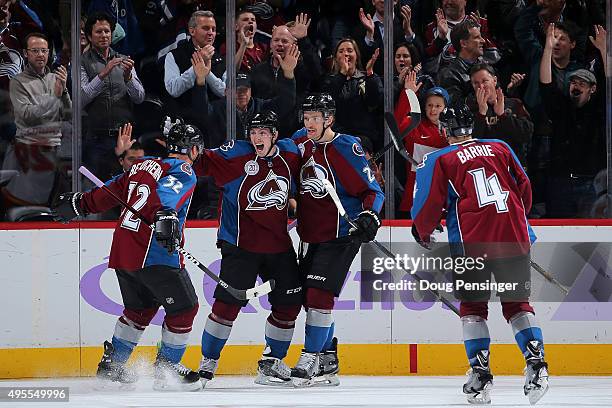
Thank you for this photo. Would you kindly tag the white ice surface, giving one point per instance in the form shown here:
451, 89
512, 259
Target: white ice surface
354, 391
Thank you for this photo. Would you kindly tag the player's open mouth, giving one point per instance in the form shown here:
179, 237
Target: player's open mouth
259, 147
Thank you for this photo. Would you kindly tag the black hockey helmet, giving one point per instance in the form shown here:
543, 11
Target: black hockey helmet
458, 121
182, 137
265, 119
319, 102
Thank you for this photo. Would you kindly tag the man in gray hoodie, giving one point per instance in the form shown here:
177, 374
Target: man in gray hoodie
41, 104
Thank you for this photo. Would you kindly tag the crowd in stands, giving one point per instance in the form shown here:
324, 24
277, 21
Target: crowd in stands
531, 71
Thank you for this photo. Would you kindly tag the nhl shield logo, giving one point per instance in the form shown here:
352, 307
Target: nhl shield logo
270, 192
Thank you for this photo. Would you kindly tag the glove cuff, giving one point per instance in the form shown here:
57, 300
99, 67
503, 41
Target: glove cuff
76, 204
373, 214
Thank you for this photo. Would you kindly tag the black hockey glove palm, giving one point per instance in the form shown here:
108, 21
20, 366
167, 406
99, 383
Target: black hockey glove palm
167, 232
67, 207
367, 225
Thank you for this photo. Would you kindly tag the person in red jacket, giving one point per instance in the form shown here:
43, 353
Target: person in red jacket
426, 137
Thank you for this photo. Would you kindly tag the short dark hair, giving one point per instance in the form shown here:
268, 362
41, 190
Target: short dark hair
482, 66
243, 11
93, 18
462, 32
568, 27
34, 34
135, 146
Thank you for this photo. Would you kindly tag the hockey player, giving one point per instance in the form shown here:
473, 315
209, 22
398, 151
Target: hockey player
257, 177
150, 271
328, 244
487, 195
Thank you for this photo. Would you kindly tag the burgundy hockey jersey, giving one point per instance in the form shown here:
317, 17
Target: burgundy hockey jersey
484, 190
255, 193
150, 185
342, 161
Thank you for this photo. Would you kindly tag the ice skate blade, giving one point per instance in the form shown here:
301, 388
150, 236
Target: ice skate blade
272, 381
327, 380
112, 386
163, 386
204, 382
302, 382
535, 394
481, 398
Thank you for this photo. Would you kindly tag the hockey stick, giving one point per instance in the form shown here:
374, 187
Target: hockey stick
394, 132
334, 196
549, 277
291, 225
240, 294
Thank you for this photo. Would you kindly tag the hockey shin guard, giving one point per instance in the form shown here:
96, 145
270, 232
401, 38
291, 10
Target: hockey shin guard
175, 334
279, 329
475, 336
126, 336
330, 337
526, 329
318, 323
218, 328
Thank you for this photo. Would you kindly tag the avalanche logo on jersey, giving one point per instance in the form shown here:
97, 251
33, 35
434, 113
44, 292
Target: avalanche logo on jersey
271, 192
227, 146
311, 175
186, 168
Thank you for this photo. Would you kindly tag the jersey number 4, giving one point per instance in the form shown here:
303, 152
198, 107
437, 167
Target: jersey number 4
489, 190
129, 220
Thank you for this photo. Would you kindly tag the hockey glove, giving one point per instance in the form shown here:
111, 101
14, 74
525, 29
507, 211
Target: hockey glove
167, 232
367, 224
420, 241
67, 207
168, 123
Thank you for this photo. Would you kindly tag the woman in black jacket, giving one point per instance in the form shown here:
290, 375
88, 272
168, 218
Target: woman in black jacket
358, 94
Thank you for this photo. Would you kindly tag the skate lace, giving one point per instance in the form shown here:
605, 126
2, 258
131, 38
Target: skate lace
306, 361
181, 369
280, 367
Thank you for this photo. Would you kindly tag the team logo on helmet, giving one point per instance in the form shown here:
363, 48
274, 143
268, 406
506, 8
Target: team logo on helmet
311, 175
271, 192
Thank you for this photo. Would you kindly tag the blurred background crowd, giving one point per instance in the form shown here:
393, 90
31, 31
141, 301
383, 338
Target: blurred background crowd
532, 72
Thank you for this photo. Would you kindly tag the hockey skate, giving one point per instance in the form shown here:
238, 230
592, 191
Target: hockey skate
328, 367
171, 376
305, 369
273, 371
110, 372
536, 373
208, 366
480, 381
